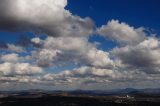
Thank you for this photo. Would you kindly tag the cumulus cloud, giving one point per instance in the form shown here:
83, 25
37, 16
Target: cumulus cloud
36, 40
143, 56
127, 64
89, 72
135, 59
46, 57
11, 69
86, 76
64, 50
42, 16
10, 58
122, 32
19, 80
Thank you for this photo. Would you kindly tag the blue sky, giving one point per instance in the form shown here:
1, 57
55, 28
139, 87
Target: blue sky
136, 13
97, 44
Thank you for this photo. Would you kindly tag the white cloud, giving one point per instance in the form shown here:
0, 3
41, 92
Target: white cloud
45, 57
46, 16
86, 76
144, 56
19, 69
122, 32
122, 66
73, 50
99, 58
135, 61
10, 58
89, 72
36, 40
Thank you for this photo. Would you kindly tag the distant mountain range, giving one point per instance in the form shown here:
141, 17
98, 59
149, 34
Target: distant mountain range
130, 91
127, 91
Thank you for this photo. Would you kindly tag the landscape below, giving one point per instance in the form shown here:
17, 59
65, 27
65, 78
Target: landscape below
125, 97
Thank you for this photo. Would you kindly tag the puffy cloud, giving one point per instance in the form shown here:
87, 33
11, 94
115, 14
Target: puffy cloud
19, 69
36, 40
19, 80
144, 56
45, 57
122, 32
99, 58
136, 59
10, 58
123, 66
75, 50
46, 16
85, 76
68, 44
89, 72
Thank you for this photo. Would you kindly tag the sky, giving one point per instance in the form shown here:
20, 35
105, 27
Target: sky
79, 44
